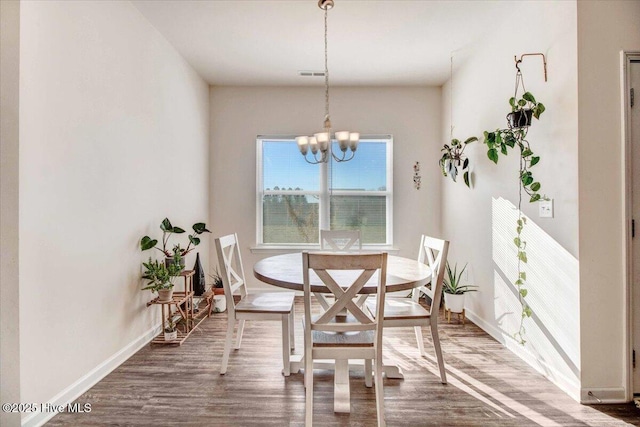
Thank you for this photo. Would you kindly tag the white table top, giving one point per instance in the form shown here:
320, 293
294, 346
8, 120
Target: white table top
285, 271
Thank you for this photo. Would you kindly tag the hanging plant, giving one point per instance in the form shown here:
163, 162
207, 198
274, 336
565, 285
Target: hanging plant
453, 158
498, 142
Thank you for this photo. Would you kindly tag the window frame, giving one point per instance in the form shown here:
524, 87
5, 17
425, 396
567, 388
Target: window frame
324, 193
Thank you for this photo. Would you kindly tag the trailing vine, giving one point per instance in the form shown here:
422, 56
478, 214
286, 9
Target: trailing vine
498, 142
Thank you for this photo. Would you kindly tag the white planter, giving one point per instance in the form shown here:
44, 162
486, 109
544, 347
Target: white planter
219, 303
171, 336
165, 295
454, 302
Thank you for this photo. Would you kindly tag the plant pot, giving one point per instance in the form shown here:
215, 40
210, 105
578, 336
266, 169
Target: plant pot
519, 119
454, 302
219, 303
165, 295
169, 260
171, 336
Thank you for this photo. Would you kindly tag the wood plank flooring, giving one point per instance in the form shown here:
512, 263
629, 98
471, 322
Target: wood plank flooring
181, 386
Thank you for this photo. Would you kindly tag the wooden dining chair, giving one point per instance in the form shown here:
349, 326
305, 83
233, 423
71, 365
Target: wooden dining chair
260, 306
340, 240
331, 335
404, 312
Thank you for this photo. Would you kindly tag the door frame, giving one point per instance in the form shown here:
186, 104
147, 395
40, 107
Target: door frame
625, 85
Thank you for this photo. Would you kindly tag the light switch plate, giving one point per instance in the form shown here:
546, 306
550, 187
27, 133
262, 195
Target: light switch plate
545, 208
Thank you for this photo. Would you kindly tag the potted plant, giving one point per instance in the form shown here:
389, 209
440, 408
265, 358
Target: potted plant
498, 142
453, 289
160, 278
170, 331
219, 301
453, 157
167, 230
522, 109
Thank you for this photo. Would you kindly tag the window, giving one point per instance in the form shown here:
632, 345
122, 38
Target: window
296, 199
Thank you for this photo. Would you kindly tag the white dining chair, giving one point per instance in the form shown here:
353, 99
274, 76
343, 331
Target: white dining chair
340, 240
276, 306
331, 335
405, 312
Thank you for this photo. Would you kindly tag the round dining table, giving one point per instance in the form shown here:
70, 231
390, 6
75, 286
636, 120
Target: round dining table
285, 271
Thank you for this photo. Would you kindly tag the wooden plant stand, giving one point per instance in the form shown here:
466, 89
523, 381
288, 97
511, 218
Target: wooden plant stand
448, 312
184, 306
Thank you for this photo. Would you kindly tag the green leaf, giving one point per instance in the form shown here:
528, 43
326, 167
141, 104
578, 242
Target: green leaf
529, 97
538, 110
517, 241
512, 101
455, 142
465, 176
147, 243
524, 220
165, 225
522, 103
526, 153
519, 282
177, 230
522, 256
498, 138
200, 227
470, 140
534, 198
493, 155
527, 311
465, 164
510, 140
519, 222
523, 275
535, 186
527, 180
194, 240
523, 292
534, 161
503, 149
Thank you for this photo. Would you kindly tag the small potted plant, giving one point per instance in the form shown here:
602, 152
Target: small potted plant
220, 303
170, 331
453, 158
160, 278
167, 230
453, 289
523, 109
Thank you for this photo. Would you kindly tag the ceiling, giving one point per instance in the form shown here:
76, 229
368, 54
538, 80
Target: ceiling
261, 42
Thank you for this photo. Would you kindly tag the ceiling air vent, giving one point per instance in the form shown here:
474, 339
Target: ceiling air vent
308, 73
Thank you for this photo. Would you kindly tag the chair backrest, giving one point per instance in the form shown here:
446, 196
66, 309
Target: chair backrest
433, 252
231, 270
340, 240
329, 266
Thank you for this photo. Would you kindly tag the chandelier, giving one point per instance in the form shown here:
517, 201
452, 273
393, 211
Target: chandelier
320, 144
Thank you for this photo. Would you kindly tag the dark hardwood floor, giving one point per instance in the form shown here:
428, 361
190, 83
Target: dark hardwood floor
181, 386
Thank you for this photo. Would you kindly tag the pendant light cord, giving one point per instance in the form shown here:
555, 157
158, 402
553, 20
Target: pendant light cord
326, 73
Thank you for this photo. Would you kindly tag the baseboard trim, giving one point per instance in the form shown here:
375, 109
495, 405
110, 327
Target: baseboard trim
569, 386
76, 389
603, 396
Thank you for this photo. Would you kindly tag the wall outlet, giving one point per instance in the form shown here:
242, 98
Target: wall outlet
545, 208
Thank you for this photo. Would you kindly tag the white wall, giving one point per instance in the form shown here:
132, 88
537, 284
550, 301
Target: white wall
238, 114
480, 222
604, 30
114, 129
9, 220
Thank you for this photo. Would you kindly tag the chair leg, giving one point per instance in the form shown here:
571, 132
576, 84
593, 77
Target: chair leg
285, 345
377, 375
292, 334
368, 373
227, 345
308, 380
239, 336
420, 339
436, 345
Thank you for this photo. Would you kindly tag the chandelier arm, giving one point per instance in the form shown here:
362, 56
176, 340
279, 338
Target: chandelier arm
344, 157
